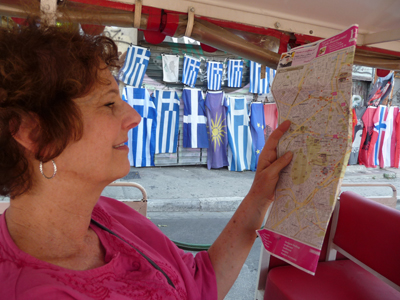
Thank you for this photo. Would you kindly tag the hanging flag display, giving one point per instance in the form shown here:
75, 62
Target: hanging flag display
378, 134
239, 137
365, 156
358, 113
257, 125
142, 138
397, 152
191, 68
235, 73
167, 105
136, 62
170, 65
194, 119
271, 119
389, 141
217, 130
257, 84
214, 75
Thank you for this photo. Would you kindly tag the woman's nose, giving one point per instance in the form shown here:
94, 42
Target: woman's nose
132, 117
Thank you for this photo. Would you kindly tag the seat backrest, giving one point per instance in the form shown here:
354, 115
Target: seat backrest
370, 232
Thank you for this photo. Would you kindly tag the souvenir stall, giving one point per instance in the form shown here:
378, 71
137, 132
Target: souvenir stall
376, 125
191, 115
202, 100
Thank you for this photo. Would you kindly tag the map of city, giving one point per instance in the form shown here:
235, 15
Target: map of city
314, 93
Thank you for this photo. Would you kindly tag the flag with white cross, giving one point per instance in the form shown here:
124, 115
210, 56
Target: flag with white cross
136, 62
214, 75
191, 68
142, 138
235, 72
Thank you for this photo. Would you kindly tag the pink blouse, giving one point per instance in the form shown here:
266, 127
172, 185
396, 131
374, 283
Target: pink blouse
126, 274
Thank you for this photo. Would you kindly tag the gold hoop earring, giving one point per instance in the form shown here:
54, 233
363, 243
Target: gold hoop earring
54, 170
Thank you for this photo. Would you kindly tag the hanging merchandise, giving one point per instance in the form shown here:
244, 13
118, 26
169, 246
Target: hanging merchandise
239, 137
142, 138
217, 131
397, 152
194, 119
358, 113
271, 119
257, 124
191, 68
136, 62
214, 75
382, 88
258, 84
378, 135
167, 106
365, 156
235, 73
170, 65
389, 141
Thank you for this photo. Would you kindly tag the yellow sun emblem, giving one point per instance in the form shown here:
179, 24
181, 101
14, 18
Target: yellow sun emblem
217, 131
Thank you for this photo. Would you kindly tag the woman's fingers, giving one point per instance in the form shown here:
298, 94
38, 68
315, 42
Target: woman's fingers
268, 154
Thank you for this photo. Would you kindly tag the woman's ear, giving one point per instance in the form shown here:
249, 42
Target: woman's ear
29, 124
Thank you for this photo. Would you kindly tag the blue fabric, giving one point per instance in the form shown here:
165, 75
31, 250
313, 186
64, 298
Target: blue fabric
136, 62
167, 105
258, 85
235, 73
194, 119
214, 75
191, 68
142, 138
257, 125
239, 137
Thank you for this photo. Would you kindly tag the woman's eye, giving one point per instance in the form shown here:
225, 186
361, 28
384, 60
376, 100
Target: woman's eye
111, 104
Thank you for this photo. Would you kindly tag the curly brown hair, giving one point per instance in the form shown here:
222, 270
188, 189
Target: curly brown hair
42, 70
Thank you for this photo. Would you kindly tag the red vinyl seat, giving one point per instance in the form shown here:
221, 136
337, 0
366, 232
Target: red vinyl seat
368, 234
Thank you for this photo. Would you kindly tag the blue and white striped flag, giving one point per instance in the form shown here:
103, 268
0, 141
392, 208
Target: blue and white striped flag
136, 62
194, 119
239, 137
235, 72
258, 85
167, 104
214, 75
191, 67
142, 138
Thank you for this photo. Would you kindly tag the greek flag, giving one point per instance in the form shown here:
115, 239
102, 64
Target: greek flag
258, 85
136, 62
235, 72
141, 139
167, 104
239, 137
214, 75
194, 119
191, 67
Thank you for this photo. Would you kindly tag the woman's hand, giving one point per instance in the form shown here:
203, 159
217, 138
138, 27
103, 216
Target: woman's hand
269, 166
230, 250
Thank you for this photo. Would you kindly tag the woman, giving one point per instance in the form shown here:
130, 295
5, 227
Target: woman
63, 128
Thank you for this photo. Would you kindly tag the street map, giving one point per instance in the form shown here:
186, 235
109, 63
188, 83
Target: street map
312, 88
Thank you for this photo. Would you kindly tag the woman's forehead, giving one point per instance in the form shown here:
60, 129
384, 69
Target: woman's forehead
106, 86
